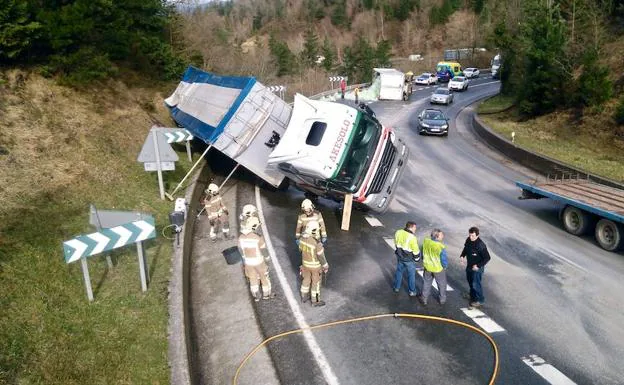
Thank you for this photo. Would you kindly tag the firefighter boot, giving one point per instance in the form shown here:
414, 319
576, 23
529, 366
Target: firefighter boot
318, 302
257, 295
305, 297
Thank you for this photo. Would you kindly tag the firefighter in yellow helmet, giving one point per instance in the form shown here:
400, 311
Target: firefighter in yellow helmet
255, 259
310, 214
216, 211
313, 264
249, 211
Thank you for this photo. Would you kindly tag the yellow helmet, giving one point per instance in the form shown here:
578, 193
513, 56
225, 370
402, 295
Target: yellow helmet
312, 228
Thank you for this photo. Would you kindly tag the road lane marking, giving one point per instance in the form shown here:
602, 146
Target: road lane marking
390, 242
373, 221
481, 319
435, 284
328, 373
547, 371
485, 84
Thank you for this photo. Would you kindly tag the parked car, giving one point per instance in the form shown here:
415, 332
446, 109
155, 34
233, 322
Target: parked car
442, 96
470, 73
426, 79
433, 121
458, 83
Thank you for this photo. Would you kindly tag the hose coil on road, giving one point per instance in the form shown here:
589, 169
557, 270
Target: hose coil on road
372, 317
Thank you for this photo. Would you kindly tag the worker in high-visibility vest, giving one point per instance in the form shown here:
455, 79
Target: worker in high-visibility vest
310, 214
313, 264
407, 253
255, 258
435, 262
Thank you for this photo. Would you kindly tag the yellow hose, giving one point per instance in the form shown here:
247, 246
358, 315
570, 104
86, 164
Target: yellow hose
372, 317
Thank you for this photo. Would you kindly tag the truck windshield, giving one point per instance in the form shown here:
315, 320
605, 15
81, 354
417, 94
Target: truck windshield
359, 154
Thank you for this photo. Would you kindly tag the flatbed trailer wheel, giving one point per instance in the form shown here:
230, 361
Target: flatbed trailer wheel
609, 235
575, 221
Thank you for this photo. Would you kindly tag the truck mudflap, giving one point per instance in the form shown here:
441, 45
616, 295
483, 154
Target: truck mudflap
386, 179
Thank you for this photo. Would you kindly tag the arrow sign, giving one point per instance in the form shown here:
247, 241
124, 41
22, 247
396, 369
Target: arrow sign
108, 239
177, 136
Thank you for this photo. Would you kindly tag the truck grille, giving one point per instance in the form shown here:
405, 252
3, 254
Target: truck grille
384, 168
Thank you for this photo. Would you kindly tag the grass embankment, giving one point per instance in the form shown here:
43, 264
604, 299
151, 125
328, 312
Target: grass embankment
61, 150
587, 144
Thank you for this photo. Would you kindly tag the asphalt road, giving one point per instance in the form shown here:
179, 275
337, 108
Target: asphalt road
552, 299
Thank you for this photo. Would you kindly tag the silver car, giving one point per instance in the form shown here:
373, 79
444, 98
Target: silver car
441, 96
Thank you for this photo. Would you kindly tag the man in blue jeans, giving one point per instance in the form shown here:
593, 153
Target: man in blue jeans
408, 254
475, 255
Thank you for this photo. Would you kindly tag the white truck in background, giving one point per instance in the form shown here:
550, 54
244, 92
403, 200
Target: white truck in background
324, 148
392, 84
496, 66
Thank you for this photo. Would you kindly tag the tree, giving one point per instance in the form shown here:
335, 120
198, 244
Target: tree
310, 47
547, 72
339, 15
330, 55
594, 86
17, 29
283, 58
382, 54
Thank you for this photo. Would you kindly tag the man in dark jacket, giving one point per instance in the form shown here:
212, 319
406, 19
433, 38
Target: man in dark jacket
475, 255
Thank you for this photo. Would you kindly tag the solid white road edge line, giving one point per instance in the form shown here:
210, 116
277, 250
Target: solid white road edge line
373, 221
328, 373
547, 371
481, 319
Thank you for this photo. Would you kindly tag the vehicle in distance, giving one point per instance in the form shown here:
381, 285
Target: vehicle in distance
471, 72
587, 206
433, 121
441, 96
427, 78
458, 83
496, 66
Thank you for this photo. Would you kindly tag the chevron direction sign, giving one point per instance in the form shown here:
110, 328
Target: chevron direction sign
337, 78
276, 88
109, 239
177, 135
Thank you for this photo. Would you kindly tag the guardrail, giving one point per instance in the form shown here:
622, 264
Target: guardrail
537, 162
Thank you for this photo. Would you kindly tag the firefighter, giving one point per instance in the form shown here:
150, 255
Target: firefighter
309, 213
313, 264
248, 212
216, 211
255, 259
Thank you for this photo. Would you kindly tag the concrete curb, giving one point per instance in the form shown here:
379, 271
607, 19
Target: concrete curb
537, 162
179, 321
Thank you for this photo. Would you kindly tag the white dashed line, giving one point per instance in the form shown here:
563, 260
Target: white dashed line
373, 221
435, 284
390, 242
547, 371
328, 373
483, 320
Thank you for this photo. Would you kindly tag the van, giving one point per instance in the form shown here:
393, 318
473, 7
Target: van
446, 70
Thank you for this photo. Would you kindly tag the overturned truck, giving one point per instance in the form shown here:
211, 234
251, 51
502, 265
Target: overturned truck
323, 148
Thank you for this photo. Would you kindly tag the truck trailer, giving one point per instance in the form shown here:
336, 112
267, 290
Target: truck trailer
326, 149
586, 206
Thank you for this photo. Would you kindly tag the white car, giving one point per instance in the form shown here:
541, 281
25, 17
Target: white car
458, 83
426, 79
470, 73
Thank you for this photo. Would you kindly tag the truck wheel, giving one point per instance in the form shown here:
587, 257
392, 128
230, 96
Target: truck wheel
575, 221
609, 235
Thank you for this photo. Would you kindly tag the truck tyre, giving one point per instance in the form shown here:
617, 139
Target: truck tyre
575, 221
609, 235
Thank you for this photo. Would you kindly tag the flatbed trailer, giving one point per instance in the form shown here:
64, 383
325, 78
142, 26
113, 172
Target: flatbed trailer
586, 206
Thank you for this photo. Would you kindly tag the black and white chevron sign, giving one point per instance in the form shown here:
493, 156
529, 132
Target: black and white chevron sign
276, 88
337, 78
176, 136
108, 239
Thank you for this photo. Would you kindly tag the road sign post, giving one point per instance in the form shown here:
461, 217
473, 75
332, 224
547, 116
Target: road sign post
161, 185
156, 153
88, 245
